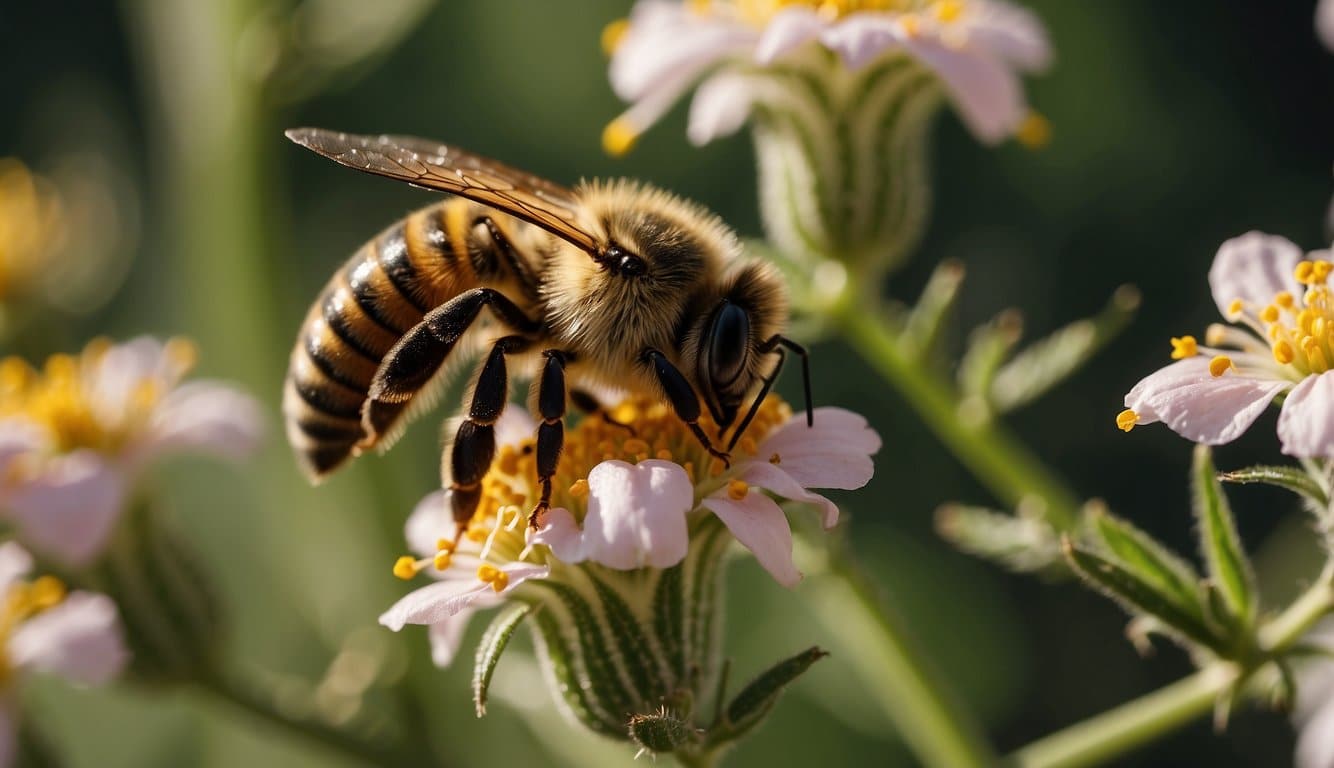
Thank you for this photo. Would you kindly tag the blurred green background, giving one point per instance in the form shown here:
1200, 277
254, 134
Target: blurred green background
1176, 126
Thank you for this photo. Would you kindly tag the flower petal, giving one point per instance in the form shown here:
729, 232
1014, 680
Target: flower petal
760, 525
15, 563
834, 453
1324, 23
1253, 267
988, 94
562, 534
514, 426
666, 43
1008, 32
863, 37
70, 508
446, 636
787, 30
79, 639
431, 520
637, 514
720, 107
1306, 424
438, 601
1315, 742
1198, 406
17, 437
205, 416
773, 479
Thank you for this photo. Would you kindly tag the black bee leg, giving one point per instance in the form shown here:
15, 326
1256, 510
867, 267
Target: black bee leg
759, 399
551, 432
475, 443
590, 405
683, 398
411, 363
797, 349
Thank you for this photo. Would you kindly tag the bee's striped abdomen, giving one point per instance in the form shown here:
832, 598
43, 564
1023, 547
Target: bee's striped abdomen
384, 290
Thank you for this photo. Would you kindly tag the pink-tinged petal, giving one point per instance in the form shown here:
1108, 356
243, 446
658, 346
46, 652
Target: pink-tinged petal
562, 534
205, 417
436, 602
863, 37
759, 524
514, 426
15, 563
1253, 267
720, 107
1315, 742
1306, 424
1324, 27
119, 372
80, 640
1198, 406
666, 43
1008, 32
69, 509
986, 91
774, 479
17, 437
637, 514
834, 453
447, 635
788, 30
431, 520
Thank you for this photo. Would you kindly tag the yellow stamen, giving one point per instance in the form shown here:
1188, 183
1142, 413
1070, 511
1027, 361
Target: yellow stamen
613, 34
45, 592
1269, 314
1126, 420
1220, 365
1034, 132
1303, 272
405, 567
1235, 309
619, 137
442, 560
1283, 299
1316, 358
910, 25
444, 545
1184, 347
737, 490
947, 11
579, 488
1283, 352
634, 446
489, 574
1320, 270
1214, 334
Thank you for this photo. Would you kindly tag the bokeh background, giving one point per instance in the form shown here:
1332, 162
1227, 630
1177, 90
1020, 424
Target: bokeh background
1176, 126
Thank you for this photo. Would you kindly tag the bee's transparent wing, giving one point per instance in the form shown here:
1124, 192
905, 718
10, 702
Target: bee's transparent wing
442, 167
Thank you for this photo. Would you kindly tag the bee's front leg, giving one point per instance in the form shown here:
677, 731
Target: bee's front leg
683, 398
551, 432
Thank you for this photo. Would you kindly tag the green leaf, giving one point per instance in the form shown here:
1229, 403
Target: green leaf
1226, 560
1022, 543
988, 346
1288, 478
1153, 563
922, 330
494, 641
1136, 595
754, 701
1046, 363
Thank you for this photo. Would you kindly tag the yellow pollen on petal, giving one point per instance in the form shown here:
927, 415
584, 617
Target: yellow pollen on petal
405, 567
619, 137
1304, 272
1220, 365
1184, 347
489, 574
1034, 131
613, 34
737, 490
1269, 314
1283, 299
1126, 420
1283, 352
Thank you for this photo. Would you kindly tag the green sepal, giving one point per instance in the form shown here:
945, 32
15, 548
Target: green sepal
1288, 478
922, 329
988, 346
749, 707
1220, 545
1136, 551
661, 732
1020, 542
1138, 596
1046, 363
493, 644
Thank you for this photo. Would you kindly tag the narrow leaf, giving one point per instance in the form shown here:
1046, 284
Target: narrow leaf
754, 701
922, 330
1046, 363
494, 641
1021, 543
1138, 552
1219, 543
988, 346
1288, 478
1136, 595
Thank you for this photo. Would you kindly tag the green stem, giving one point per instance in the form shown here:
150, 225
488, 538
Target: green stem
1139, 722
249, 699
999, 461
929, 718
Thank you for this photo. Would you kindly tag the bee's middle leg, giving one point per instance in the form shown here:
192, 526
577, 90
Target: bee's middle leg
475, 442
684, 399
551, 432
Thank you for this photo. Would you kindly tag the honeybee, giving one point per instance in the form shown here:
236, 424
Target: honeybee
611, 285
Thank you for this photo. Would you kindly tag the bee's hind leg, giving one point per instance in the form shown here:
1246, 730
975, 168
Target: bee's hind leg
551, 432
683, 398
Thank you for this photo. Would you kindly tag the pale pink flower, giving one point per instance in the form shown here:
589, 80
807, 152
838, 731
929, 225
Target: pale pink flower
1281, 343
1324, 25
1313, 714
76, 636
75, 437
976, 47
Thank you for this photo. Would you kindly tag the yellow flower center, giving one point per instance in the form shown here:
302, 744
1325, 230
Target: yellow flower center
759, 12
1300, 330
31, 227
62, 399
24, 600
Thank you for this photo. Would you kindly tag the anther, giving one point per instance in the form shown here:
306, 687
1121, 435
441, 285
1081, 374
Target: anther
1269, 314
444, 545
579, 488
619, 137
1283, 299
1303, 272
1235, 308
1283, 352
1184, 347
1220, 365
737, 490
1126, 420
1320, 270
47, 591
405, 567
613, 34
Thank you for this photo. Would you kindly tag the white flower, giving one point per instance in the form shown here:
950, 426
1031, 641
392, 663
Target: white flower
1324, 22
1313, 714
1282, 344
74, 437
76, 636
975, 47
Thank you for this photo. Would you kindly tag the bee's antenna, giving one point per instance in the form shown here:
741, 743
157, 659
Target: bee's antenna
759, 398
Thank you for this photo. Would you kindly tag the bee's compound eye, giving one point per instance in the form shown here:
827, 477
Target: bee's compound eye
622, 262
